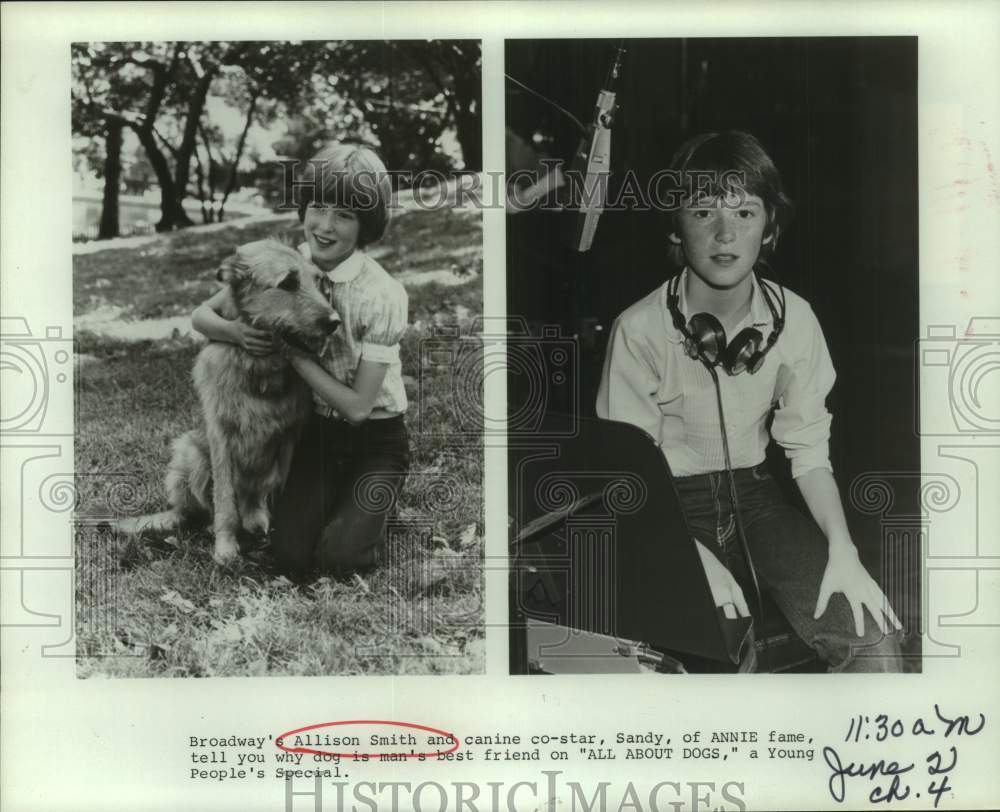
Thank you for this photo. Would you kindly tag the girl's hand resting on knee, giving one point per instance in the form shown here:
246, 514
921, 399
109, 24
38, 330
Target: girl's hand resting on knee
726, 591
845, 573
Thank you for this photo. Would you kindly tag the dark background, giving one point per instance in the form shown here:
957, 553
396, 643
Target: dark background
839, 118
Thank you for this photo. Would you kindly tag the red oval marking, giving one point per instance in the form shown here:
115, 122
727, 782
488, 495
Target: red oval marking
279, 740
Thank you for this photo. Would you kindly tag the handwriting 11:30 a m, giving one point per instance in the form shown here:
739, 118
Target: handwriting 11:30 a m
884, 728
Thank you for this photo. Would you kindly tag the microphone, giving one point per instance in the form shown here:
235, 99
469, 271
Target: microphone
591, 165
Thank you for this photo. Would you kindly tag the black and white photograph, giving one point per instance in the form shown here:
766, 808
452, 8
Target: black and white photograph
265, 234
362, 361
712, 249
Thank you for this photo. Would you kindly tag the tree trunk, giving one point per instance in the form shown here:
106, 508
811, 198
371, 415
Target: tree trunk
212, 173
207, 215
465, 91
240, 146
172, 214
468, 122
112, 181
182, 158
469, 133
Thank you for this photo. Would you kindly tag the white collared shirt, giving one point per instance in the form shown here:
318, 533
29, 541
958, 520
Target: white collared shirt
374, 311
650, 381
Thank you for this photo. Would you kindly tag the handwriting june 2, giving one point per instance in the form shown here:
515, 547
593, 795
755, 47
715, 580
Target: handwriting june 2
888, 779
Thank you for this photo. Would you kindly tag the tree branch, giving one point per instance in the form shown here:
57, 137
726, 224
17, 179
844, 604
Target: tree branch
418, 57
164, 141
211, 158
240, 146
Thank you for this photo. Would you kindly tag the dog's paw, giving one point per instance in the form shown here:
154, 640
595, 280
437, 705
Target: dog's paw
258, 522
226, 551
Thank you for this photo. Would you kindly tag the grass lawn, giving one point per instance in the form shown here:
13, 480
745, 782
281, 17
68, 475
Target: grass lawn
161, 607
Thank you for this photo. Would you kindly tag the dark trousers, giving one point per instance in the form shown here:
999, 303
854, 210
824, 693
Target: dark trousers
343, 484
789, 553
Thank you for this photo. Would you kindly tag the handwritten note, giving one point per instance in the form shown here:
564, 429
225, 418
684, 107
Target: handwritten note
885, 779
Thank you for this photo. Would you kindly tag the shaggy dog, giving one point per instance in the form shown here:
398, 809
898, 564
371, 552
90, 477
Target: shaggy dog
253, 406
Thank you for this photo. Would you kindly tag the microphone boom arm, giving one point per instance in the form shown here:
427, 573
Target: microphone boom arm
592, 162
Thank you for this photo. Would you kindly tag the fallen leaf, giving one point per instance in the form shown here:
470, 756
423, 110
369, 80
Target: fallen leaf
177, 601
468, 537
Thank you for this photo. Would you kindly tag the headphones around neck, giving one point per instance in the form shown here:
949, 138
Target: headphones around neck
705, 338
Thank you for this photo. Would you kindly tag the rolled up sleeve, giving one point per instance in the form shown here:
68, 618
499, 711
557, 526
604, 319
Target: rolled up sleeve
629, 382
801, 421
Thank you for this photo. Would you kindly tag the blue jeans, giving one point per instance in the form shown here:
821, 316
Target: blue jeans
789, 553
322, 520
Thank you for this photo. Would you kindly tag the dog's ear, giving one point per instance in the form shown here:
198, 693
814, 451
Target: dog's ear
290, 281
232, 270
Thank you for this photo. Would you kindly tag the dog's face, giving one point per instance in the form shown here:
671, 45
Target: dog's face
276, 289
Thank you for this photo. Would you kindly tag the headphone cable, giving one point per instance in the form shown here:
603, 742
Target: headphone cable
740, 533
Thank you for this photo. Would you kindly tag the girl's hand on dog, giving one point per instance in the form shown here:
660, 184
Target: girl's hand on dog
254, 341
